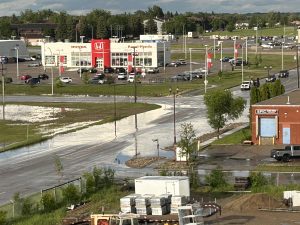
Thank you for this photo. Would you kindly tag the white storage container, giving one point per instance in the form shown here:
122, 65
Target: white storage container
159, 211
158, 185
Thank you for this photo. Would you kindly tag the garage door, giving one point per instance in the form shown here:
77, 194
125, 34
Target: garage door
267, 127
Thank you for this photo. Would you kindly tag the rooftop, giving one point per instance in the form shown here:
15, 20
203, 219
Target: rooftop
290, 98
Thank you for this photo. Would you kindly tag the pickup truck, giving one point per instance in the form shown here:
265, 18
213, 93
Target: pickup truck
290, 151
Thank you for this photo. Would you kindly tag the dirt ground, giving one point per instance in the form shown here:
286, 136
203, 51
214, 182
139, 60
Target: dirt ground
253, 209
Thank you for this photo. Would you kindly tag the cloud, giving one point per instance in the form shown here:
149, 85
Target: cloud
80, 7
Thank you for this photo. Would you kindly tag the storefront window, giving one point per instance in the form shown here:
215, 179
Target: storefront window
81, 59
50, 60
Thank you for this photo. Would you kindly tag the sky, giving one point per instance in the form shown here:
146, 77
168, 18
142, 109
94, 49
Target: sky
81, 7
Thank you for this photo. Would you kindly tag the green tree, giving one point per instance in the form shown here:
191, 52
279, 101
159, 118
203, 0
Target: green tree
101, 31
187, 139
230, 27
264, 92
257, 179
58, 167
151, 26
27, 207
156, 12
254, 95
89, 183
221, 107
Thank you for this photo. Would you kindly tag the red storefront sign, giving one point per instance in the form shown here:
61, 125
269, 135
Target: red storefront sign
209, 61
61, 63
101, 50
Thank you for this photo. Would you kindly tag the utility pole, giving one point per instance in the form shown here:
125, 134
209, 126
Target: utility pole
297, 55
3, 92
133, 61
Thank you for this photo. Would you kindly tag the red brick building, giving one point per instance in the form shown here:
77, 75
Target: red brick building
277, 120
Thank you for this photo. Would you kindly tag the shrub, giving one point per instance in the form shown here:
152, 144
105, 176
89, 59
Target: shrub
27, 207
258, 180
216, 179
48, 202
2, 217
71, 194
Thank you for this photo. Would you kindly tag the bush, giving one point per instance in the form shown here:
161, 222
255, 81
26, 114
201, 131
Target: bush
216, 179
2, 217
85, 78
48, 202
27, 207
258, 180
71, 194
58, 83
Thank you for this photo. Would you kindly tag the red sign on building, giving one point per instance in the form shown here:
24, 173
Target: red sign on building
100, 52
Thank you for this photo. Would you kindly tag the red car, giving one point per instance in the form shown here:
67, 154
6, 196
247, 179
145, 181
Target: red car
25, 77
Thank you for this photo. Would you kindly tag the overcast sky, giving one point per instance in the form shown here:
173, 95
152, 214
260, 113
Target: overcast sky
81, 7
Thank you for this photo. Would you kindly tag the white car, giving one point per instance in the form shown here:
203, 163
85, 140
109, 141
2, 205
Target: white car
122, 76
246, 85
65, 80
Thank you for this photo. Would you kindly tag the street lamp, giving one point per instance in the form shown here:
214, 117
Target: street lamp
133, 60
17, 51
191, 77
297, 60
206, 69
3, 93
282, 45
81, 37
164, 57
221, 43
174, 111
157, 146
13, 37
52, 87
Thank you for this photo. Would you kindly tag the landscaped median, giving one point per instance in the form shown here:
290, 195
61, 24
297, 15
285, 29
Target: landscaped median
29, 123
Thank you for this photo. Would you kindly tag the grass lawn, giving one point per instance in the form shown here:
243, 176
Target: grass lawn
279, 167
19, 133
235, 138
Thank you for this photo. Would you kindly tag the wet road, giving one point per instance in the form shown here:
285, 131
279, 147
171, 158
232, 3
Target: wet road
28, 170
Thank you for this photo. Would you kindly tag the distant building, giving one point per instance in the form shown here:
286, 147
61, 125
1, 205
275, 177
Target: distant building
32, 33
159, 24
241, 26
8, 48
157, 37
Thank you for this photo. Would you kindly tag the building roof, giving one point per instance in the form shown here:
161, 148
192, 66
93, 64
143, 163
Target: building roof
290, 98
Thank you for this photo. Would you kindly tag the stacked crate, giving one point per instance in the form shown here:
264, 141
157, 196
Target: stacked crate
158, 205
143, 205
176, 201
127, 203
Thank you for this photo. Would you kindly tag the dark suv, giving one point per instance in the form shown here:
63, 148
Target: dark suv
271, 78
283, 74
33, 81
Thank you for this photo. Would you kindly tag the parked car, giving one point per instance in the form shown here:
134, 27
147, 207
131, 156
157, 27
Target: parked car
92, 70
283, 73
153, 70
271, 78
7, 80
180, 77
224, 59
174, 64
182, 62
96, 80
83, 70
43, 76
109, 70
286, 154
66, 80
122, 76
246, 85
25, 77
131, 79
33, 81
120, 70
194, 74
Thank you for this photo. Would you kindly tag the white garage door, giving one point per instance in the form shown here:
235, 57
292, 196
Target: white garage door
267, 127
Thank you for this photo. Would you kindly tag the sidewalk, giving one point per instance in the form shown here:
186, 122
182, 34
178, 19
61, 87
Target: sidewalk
205, 143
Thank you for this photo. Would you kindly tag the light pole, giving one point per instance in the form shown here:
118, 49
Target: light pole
157, 145
115, 110
282, 44
174, 111
13, 37
164, 57
221, 43
81, 37
133, 60
3, 91
48, 38
214, 48
191, 77
297, 59
52, 82
17, 51
206, 69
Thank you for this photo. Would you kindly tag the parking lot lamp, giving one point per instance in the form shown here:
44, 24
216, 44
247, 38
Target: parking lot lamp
174, 110
297, 60
190, 49
52, 81
282, 45
3, 93
164, 57
206, 69
221, 43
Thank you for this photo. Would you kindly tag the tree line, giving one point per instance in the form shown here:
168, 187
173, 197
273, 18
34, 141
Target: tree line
100, 23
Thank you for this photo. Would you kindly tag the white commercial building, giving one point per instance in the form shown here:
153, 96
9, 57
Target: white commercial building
102, 53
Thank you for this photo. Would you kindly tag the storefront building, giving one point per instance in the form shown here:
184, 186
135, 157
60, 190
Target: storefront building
277, 120
104, 53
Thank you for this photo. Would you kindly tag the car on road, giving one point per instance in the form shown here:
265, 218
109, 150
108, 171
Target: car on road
32, 81
43, 76
271, 78
96, 80
66, 80
283, 74
182, 62
83, 70
173, 64
153, 70
225, 59
246, 85
131, 79
25, 77
180, 77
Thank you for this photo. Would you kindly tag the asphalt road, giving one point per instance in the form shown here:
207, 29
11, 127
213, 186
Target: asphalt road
30, 169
